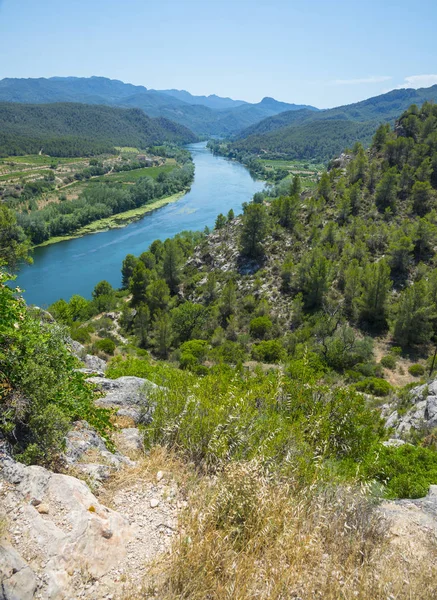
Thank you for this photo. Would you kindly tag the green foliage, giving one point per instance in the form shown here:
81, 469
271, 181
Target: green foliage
314, 278
269, 351
260, 326
187, 321
171, 264
254, 230
100, 200
406, 471
322, 135
224, 416
389, 361
414, 313
14, 246
220, 221
374, 297
416, 370
193, 353
105, 345
40, 391
68, 129
374, 385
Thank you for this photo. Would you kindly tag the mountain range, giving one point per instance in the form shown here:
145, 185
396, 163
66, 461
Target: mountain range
325, 133
204, 115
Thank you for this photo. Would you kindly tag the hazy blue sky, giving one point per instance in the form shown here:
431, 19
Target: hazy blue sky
321, 52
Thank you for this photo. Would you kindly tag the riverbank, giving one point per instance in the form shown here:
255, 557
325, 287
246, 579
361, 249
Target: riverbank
115, 221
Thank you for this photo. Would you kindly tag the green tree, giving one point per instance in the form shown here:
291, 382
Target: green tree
423, 197
141, 324
220, 221
103, 288
228, 301
149, 260
324, 188
138, 283
79, 308
288, 211
296, 186
127, 270
61, 311
386, 191
231, 215
254, 230
157, 296
14, 246
162, 334
376, 286
171, 264
413, 316
380, 136
187, 321
103, 296
401, 254
353, 288
314, 275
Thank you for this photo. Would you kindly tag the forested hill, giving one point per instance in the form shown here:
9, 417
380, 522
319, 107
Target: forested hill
206, 116
324, 134
69, 129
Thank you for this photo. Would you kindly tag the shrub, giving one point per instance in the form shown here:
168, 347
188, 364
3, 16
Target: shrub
260, 326
105, 345
282, 422
407, 471
80, 334
192, 354
374, 385
269, 351
229, 352
416, 370
40, 391
388, 361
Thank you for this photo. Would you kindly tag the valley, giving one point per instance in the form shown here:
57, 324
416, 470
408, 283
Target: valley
75, 266
218, 367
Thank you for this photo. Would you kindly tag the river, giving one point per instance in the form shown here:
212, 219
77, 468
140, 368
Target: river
75, 266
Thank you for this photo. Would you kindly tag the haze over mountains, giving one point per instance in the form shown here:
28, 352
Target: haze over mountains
325, 133
269, 128
205, 116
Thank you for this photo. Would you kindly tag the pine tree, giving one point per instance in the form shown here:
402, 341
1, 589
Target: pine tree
376, 285
142, 325
413, 321
254, 230
127, 270
171, 265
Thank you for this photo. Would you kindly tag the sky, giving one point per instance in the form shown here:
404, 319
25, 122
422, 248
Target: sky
324, 52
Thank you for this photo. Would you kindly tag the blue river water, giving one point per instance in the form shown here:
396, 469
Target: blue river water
75, 266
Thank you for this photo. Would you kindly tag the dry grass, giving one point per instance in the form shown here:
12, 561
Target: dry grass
399, 376
145, 470
245, 537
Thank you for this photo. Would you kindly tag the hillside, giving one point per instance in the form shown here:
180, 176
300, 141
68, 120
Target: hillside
69, 129
325, 133
243, 418
213, 116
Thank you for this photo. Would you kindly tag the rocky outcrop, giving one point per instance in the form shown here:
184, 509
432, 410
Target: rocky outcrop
131, 396
86, 451
422, 413
92, 364
17, 580
61, 537
413, 523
